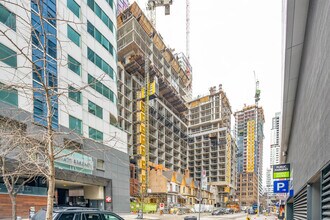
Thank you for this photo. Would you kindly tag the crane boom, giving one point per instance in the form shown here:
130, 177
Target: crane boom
151, 7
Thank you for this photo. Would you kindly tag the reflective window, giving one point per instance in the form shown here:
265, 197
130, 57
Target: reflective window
99, 62
73, 36
74, 65
101, 14
75, 124
8, 56
100, 38
74, 7
95, 109
7, 95
7, 17
95, 134
101, 88
75, 95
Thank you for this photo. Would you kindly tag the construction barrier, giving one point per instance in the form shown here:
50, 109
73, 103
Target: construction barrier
147, 207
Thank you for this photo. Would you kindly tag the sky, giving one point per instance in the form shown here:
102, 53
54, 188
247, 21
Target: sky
229, 40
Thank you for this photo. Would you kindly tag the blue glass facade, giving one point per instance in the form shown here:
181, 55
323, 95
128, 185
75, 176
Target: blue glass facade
240, 152
44, 39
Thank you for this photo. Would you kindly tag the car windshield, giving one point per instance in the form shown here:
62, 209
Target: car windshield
111, 216
41, 215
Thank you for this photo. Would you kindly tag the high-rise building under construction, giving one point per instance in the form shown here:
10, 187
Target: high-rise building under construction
249, 135
211, 147
157, 131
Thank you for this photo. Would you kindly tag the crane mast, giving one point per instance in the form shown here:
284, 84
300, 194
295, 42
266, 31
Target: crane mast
188, 29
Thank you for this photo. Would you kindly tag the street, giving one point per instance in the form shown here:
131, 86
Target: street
204, 216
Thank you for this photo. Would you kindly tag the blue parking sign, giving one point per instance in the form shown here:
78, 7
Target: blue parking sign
281, 186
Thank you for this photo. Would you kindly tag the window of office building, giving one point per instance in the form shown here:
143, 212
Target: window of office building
101, 88
99, 62
75, 124
100, 164
74, 7
8, 56
101, 14
100, 38
95, 109
74, 65
7, 17
75, 95
7, 95
73, 36
95, 134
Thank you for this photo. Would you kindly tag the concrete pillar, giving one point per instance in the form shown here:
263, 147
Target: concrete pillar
316, 200
309, 202
289, 211
108, 192
313, 201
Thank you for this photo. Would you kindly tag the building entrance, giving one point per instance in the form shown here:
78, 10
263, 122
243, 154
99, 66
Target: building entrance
79, 194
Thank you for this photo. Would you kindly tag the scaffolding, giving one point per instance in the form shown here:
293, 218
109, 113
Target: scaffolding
159, 135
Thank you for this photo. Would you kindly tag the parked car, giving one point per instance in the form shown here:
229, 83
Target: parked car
219, 211
251, 211
229, 211
183, 210
72, 213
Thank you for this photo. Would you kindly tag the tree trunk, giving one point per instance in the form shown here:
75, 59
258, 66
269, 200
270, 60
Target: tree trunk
51, 156
13, 206
51, 191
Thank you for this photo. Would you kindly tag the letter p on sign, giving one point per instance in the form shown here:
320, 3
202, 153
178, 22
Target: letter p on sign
281, 186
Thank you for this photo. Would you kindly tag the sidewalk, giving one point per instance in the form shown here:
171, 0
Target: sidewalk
204, 216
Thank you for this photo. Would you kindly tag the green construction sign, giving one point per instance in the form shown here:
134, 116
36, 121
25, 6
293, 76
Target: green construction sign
281, 171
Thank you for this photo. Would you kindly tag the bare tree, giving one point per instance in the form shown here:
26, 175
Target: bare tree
23, 149
16, 170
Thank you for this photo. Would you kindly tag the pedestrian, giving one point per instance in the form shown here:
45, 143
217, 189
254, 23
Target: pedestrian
140, 215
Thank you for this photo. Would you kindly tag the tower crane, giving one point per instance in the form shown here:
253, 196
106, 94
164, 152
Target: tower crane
188, 29
151, 7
